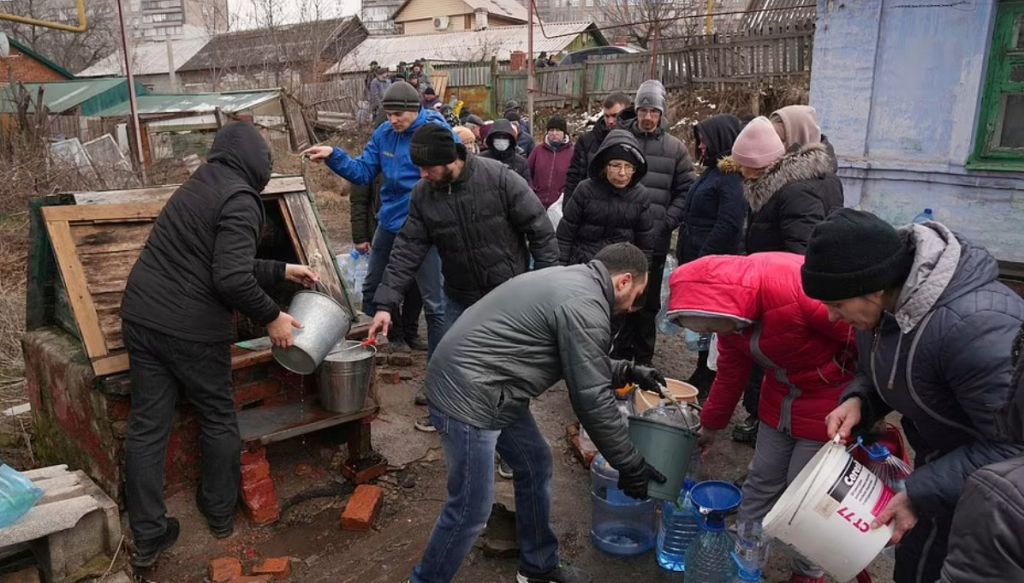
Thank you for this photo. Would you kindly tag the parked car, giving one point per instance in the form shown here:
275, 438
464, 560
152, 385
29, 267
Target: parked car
582, 55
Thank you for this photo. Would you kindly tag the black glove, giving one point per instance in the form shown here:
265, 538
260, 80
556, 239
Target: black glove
647, 378
634, 481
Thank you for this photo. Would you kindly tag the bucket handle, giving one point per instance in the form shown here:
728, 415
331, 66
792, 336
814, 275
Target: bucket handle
836, 442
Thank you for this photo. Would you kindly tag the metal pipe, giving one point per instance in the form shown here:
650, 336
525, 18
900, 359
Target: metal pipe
531, 77
83, 22
133, 103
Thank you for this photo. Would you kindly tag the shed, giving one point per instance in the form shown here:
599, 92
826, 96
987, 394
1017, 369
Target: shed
83, 248
25, 65
85, 97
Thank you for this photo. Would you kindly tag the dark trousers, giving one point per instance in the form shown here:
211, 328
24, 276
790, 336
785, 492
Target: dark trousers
634, 334
920, 554
161, 366
407, 322
752, 395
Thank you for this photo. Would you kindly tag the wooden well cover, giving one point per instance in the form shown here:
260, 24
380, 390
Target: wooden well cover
97, 241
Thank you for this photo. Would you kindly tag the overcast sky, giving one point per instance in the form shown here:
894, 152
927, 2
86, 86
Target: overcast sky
249, 12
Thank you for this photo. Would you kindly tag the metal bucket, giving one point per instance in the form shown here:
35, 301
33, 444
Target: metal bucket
324, 322
344, 378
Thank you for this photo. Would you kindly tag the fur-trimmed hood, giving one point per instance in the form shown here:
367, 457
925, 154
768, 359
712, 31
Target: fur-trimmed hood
811, 161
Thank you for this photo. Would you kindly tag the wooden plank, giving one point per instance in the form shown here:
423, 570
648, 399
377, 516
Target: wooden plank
277, 185
289, 224
74, 279
140, 211
110, 237
110, 364
314, 244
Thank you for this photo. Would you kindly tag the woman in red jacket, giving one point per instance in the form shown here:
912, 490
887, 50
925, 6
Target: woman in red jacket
757, 306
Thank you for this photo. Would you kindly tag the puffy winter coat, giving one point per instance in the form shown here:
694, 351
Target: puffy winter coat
715, 208
600, 214
522, 338
548, 168
510, 157
582, 154
941, 361
199, 262
808, 359
793, 196
669, 177
387, 153
485, 225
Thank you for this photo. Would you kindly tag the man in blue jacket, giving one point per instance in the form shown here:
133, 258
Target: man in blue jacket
387, 153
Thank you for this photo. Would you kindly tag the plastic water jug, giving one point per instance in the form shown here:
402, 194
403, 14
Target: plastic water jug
664, 324
354, 266
751, 553
709, 557
620, 525
924, 216
677, 529
17, 495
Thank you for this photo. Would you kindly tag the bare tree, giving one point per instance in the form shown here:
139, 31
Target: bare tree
641, 22
74, 51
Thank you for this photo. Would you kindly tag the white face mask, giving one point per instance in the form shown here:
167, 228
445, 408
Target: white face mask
501, 144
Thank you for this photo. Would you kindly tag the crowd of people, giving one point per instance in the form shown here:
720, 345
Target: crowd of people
826, 319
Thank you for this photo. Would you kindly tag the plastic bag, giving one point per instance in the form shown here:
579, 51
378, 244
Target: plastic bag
664, 324
354, 266
555, 212
17, 495
713, 353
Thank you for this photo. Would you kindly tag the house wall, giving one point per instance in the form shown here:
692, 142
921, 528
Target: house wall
427, 9
897, 88
457, 22
21, 67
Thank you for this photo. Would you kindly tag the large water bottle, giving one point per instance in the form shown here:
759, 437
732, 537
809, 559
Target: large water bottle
709, 557
924, 216
664, 324
354, 266
678, 528
620, 525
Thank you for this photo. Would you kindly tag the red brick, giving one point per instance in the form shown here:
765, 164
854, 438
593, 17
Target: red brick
391, 377
362, 508
260, 500
362, 475
252, 456
257, 472
26, 575
254, 392
586, 456
253, 579
225, 569
280, 568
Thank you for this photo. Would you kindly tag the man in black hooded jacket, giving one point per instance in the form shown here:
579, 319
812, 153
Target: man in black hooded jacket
198, 266
501, 146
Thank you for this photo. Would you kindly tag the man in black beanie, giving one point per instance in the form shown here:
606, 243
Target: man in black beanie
483, 218
934, 327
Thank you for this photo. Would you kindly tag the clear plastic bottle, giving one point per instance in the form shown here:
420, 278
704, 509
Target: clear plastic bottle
354, 266
924, 216
751, 553
677, 529
665, 325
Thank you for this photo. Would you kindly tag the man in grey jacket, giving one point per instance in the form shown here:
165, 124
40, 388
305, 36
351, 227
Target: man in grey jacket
934, 327
510, 347
669, 178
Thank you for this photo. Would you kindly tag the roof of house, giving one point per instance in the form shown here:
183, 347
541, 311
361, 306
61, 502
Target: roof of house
26, 50
149, 58
511, 9
763, 14
291, 43
228, 102
461, 46
91, 95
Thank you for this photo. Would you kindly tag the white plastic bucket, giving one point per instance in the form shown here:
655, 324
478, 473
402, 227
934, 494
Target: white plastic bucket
826, 513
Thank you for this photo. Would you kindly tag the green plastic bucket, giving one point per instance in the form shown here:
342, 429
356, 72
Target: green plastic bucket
666, 447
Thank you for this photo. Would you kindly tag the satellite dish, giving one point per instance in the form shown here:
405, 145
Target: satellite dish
5, 46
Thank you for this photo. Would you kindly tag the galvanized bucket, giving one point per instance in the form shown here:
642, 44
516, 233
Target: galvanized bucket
344, 378
324, 322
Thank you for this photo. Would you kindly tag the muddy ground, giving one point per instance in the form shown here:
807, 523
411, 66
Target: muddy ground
310, 532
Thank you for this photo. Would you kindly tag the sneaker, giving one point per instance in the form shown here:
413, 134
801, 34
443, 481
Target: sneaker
745, 432
220, 526
504, 470
397, 345
421, 397
418, 344
561, 574
424, 424
148, 551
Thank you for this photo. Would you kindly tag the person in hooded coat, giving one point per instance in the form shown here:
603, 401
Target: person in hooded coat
757, 307
501, 146
788, 192
934, 327
198, 267
590, 142
609, 207
984, 544
550, 161
714, 212
797, 125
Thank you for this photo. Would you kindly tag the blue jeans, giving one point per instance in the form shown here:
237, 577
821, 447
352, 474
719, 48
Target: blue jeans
452, 311
469, 453
428, 278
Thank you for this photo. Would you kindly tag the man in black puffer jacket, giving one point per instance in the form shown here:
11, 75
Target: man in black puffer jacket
508, 349
589, 143
669, 177
501, 146
198, 266
484, 219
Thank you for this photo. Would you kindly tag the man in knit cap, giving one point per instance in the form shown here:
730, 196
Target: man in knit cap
480, 250
669, 177
590, 142
387, 153
934, 330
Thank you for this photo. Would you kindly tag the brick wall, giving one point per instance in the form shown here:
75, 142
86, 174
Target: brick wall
21, 67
